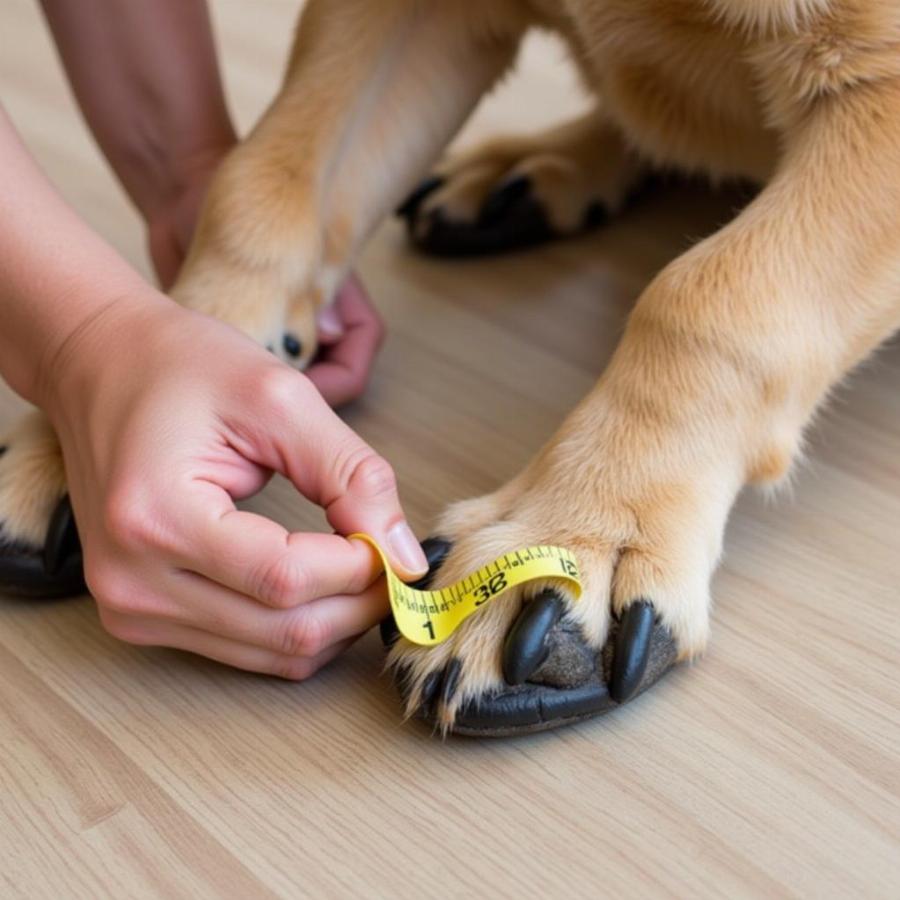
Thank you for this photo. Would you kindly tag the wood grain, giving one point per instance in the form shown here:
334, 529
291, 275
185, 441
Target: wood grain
768, 769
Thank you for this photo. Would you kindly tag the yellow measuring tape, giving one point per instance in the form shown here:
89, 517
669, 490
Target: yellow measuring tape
430, 617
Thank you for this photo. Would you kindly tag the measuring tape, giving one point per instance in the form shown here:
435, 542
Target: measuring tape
430, 617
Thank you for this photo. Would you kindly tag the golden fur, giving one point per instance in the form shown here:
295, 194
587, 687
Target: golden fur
727, 353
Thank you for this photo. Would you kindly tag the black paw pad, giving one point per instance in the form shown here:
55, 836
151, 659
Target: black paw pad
574, 682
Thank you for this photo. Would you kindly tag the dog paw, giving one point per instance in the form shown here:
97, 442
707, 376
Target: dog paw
513, 193
255, 301
534, 658
40, 555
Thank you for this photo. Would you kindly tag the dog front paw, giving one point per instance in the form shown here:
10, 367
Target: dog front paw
534, 658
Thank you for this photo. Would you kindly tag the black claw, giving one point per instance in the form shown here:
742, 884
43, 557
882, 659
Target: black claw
292, 345
411, 204
3, 449
436, 550
62, 538
430, 688
526, 647
451, 680
389, 631
632, 650
504, 198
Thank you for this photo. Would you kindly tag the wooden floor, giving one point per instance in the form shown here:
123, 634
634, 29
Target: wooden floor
770, 768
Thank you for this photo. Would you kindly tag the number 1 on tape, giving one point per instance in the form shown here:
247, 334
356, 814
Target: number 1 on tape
430, 617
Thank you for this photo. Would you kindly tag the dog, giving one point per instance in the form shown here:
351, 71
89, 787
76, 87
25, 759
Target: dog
726, 356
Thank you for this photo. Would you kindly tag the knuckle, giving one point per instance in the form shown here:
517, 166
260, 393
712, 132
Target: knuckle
282, 583
295, 669
109, 588
118, 595
304, 636
124, 628
131, 524
371, 475
279, 391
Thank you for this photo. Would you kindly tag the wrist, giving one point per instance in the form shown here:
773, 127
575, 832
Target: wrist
72, 363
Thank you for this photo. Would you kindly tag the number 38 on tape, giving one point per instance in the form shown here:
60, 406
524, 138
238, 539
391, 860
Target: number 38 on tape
430, 617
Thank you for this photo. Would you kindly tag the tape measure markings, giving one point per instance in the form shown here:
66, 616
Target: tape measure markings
440, 612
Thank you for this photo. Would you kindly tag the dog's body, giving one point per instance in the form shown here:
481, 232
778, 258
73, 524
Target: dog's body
727, 353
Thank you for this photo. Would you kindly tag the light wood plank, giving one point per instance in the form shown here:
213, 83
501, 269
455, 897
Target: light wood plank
770, 768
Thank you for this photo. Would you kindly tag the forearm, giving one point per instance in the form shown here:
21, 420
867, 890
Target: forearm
55, 273
146, 78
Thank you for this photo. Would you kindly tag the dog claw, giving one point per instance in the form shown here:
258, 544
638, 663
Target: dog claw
411, 204
436, 550
430, 688
292, 345
526, 647
632, 650
452, 671
389, 631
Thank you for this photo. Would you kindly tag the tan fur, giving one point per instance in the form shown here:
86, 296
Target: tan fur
727, 353
32, 479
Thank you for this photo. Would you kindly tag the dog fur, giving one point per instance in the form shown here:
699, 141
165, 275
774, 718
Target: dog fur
727, 353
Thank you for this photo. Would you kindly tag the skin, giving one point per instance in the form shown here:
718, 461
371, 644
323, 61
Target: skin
158, 443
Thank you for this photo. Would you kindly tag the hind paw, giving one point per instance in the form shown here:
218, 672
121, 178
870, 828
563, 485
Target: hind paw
517, 192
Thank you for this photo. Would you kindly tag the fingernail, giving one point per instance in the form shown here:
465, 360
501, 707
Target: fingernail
329, 322
406, 549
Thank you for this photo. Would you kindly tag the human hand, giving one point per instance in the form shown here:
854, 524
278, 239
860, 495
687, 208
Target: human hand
350, 334
350, 330
160, 439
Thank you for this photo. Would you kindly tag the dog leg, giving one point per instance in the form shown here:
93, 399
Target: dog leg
724, 360
514, 192
372, 94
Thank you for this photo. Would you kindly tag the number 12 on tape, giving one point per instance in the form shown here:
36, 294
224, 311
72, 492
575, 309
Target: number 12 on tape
430, 617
